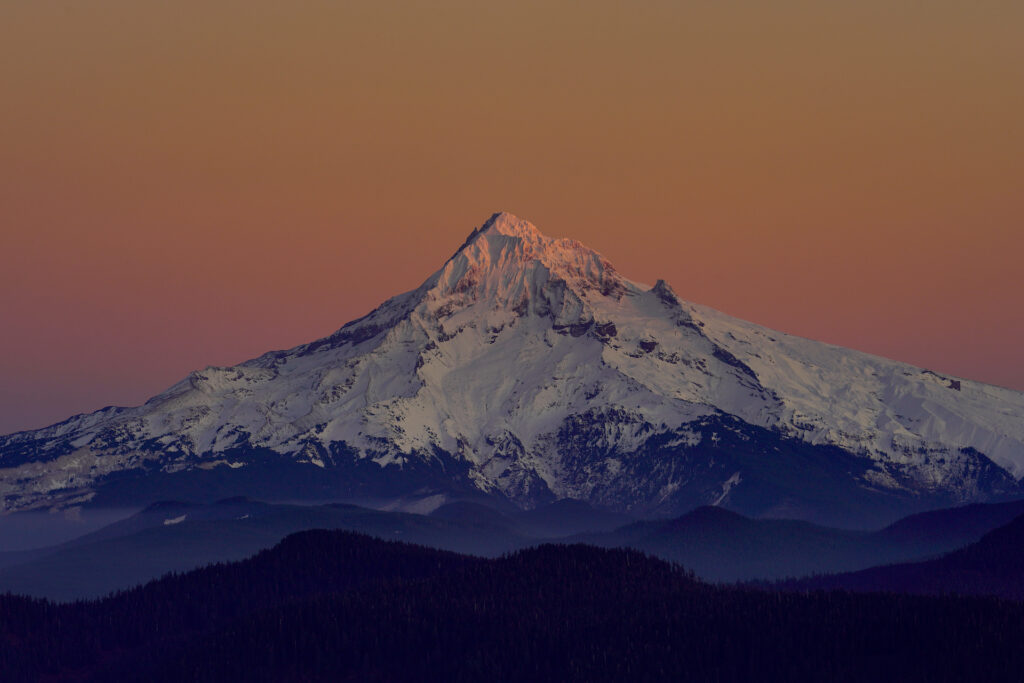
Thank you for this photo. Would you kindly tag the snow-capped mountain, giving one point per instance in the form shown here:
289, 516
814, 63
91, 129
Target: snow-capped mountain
529, 369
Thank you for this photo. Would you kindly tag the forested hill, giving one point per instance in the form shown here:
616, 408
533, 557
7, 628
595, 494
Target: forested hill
340, 606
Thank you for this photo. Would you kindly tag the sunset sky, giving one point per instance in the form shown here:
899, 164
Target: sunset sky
185, 184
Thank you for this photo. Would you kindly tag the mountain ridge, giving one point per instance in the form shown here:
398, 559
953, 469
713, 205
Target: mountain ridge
991, 566
714, 543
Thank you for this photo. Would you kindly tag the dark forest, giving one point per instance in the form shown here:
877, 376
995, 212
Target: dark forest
330, 605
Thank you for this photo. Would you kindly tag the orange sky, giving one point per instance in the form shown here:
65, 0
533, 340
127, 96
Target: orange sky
193, 183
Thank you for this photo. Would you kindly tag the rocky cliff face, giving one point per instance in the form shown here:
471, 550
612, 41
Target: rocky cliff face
529, 369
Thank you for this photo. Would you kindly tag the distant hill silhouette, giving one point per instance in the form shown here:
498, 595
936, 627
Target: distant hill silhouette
722, 545
172, 536
994, 566
713, 542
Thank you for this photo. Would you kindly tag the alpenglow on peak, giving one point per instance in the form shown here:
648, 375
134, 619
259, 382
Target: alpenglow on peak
505, 223
510, 252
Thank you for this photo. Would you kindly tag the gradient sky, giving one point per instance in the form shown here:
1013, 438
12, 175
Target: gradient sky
186, 184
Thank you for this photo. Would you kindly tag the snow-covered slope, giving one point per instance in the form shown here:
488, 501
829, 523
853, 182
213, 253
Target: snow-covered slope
528, 368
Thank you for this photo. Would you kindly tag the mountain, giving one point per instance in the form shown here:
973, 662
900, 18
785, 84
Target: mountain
994, 566
325, 606
528, 369
720, 545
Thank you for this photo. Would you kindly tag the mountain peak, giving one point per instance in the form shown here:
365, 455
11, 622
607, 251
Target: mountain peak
505, 223
504, 229
509, 256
